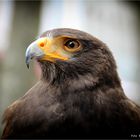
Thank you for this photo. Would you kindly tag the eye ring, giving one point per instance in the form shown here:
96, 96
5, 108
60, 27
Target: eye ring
72, 45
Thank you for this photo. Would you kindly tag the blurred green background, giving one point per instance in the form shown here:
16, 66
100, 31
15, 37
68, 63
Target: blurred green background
117, 23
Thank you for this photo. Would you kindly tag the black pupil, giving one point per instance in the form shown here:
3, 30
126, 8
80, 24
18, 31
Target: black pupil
70, 44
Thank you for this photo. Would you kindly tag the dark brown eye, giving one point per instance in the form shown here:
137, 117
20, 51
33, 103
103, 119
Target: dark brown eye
72, 45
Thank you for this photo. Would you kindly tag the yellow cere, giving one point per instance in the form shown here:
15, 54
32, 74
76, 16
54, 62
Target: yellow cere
53, 49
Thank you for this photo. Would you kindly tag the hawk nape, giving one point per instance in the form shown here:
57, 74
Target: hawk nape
79, 94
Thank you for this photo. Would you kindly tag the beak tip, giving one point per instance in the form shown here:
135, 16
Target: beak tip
27, 62
32, 51
27, 66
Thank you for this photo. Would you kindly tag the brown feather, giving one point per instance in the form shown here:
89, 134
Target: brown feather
80, 98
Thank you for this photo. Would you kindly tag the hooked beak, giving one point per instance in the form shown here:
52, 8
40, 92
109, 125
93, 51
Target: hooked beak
46, 49
33, 51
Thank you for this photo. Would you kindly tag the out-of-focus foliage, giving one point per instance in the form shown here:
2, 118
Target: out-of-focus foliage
16, 79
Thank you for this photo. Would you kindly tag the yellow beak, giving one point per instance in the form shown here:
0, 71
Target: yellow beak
43, 49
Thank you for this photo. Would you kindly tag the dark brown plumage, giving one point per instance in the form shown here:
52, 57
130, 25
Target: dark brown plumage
80, 97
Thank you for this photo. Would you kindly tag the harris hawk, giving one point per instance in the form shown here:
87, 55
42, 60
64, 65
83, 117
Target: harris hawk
79, 94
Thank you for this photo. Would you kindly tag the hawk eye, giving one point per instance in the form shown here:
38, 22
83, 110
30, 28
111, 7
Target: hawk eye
72, 45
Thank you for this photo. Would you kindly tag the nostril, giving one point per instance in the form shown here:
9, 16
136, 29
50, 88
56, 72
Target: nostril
42, 44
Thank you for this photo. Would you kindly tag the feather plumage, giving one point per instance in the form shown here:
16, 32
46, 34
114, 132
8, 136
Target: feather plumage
79, 98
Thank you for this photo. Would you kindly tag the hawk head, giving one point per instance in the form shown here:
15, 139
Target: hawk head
71, 55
